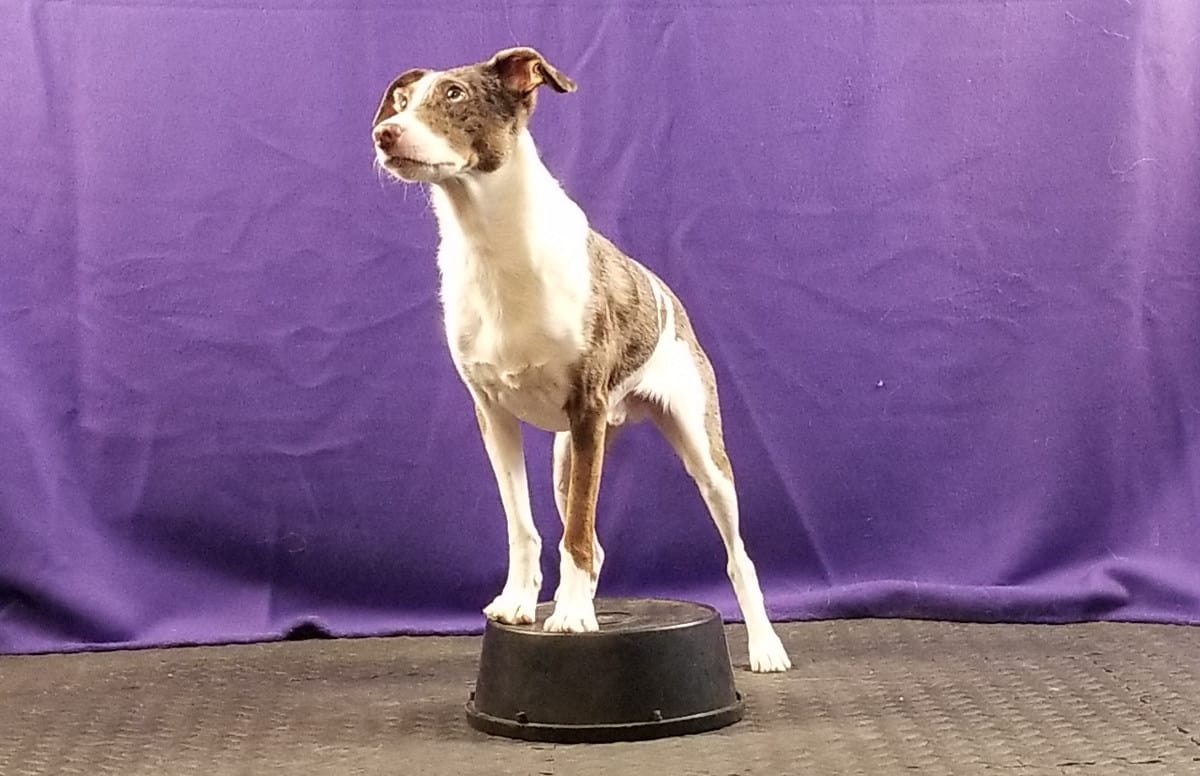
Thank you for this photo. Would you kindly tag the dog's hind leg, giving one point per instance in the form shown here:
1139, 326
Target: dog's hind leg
517, 602
688, 414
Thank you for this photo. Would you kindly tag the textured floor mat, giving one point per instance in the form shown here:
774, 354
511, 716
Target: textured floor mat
866, 697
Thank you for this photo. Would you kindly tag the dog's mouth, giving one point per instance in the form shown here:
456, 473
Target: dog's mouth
415, 162
412, 168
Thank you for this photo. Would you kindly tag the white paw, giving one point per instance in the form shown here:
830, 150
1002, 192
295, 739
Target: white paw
767, 654
513, 608
568, 617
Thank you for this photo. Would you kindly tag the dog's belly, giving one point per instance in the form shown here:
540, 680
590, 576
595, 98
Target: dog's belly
535, 393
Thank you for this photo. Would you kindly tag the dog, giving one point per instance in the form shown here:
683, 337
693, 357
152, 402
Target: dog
549, 324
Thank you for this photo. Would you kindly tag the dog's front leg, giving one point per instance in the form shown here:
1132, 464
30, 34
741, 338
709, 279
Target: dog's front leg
517, 602
574, 611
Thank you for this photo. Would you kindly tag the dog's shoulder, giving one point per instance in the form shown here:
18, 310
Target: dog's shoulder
629, 310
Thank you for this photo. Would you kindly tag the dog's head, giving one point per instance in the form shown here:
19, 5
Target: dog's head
433, 125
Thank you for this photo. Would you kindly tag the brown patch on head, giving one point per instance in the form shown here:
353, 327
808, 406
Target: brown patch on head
396, 91
477, 115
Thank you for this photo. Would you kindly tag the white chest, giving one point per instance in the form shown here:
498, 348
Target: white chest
516, 283
515, 324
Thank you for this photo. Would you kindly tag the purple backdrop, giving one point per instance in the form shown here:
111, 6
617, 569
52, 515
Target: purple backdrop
946, 257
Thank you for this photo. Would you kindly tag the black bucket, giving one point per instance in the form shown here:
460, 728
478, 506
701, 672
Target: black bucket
656, 668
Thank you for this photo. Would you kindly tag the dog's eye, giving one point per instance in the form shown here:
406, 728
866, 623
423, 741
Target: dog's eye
401, 102
455, 93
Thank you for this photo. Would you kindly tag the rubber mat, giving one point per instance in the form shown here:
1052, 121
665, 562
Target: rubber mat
866, 697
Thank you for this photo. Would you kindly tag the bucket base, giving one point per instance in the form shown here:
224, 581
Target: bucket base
656, 668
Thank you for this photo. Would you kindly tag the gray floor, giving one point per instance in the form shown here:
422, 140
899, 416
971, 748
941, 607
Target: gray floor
866, 697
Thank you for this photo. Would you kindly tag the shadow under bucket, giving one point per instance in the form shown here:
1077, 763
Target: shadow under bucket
656, 668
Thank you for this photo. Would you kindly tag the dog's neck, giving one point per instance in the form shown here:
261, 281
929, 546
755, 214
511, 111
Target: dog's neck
511, 216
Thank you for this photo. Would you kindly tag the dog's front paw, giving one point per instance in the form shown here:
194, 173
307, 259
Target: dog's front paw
767, 654
513, 608
572, 617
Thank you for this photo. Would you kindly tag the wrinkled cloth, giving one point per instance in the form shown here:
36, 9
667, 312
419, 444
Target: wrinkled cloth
945, 258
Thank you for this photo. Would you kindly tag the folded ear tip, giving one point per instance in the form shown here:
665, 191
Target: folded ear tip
525, 51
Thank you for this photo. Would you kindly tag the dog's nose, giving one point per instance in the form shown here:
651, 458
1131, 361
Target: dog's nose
386, 136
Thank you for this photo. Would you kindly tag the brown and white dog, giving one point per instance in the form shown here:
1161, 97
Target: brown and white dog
550, 324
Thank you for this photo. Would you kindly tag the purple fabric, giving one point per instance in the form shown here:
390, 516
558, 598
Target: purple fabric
945, 256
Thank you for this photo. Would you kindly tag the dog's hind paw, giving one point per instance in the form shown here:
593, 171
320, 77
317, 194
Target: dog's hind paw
572, 618
767, 654
512, 609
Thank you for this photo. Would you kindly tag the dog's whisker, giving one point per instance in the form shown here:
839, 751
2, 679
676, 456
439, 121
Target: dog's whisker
381, 176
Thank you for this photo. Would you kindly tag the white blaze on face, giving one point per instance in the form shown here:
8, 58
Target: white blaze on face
420, 153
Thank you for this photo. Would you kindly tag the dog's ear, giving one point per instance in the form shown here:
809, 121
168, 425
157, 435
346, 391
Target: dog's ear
523, 69
387, 106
